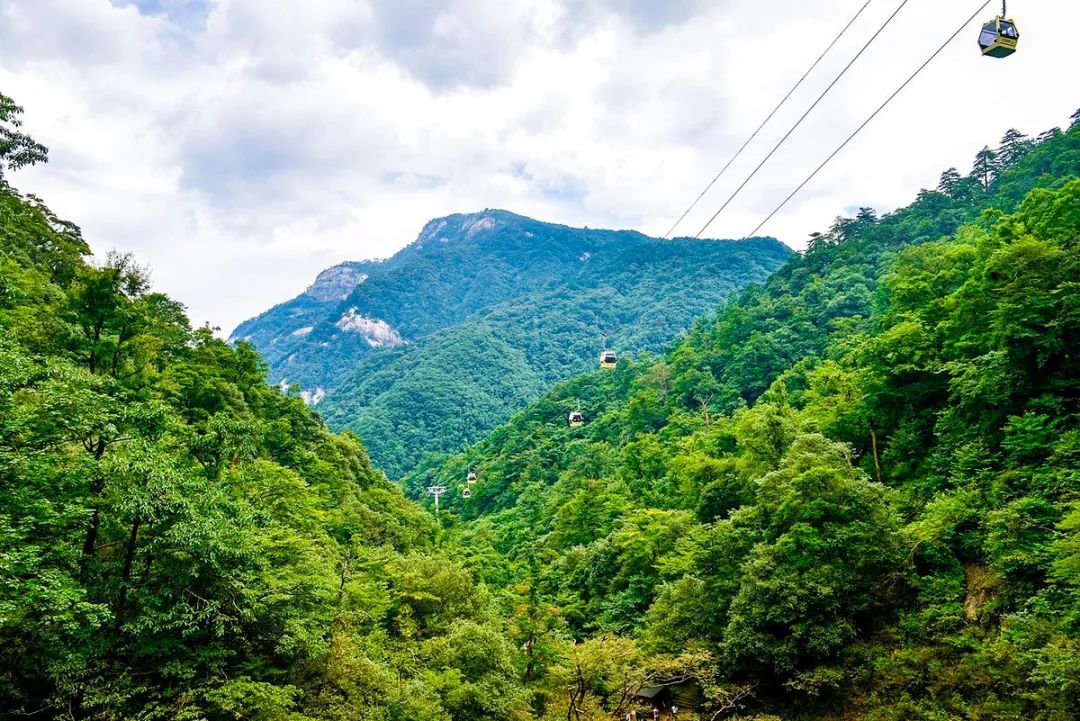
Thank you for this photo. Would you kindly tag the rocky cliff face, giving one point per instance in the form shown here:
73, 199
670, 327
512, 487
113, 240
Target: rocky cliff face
336, 283
377, 333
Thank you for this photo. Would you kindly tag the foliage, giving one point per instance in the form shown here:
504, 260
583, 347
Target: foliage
852, 492
854, 488
179, 540
17, 149
495, 309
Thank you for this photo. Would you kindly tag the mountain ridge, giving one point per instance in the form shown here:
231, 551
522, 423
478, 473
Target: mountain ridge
481, 278
339, 282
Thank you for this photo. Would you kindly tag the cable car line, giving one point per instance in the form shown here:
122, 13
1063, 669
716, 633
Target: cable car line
804, 116
767, 119
575, 418
806, 74
869, 119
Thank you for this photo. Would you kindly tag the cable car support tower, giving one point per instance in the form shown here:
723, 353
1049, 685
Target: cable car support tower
436, 492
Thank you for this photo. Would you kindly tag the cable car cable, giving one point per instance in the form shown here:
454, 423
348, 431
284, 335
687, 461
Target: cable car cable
869, 119
804, 116
767, 119
681, 253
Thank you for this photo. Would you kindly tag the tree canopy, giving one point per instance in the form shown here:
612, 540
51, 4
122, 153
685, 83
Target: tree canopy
850, 492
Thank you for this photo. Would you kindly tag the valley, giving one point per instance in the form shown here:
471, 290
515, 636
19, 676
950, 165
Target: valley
836, 484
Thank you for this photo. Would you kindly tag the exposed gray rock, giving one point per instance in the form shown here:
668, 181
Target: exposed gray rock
336, 283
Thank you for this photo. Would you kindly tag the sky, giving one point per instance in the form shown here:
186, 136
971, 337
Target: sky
238, 147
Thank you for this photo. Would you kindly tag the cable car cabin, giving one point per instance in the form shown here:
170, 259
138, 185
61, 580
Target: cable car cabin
471, 478
576, 419
466, 492
998, 38
608, 359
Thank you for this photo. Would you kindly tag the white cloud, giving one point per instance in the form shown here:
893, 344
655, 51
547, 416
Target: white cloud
240, 146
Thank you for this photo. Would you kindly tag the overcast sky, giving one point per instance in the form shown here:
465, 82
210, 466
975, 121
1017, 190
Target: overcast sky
240, 146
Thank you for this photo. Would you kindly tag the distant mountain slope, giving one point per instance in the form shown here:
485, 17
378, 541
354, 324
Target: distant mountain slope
482, 313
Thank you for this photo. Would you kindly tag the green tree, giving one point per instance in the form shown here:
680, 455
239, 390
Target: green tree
1014, 145
829, 549
17, 149
949, 182
986, 168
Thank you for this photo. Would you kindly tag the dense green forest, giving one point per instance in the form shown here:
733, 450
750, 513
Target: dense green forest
490, 309
452, 387
852, 492
179, 540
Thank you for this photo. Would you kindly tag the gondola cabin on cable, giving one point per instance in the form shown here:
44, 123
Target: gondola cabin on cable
999, 37
471, 477
576, 419
608, 359
466, 492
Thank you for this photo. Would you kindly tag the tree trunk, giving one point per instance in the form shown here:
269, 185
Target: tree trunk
877, 458
120, 340
96, 487
705, 402
95, 339
129, 558
90, 542
345, 568
529, 656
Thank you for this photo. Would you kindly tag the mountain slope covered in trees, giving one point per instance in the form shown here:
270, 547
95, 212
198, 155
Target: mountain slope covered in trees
179, 540
855, 489
850, 493
484, 312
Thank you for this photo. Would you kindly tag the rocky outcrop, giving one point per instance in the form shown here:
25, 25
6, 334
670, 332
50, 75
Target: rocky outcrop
336, 283
376, 332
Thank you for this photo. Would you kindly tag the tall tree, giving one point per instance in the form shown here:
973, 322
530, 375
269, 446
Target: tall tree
986, 167
17, 149
949, 181
1014, 145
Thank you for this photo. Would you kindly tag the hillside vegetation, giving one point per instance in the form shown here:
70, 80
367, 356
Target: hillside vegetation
854, 490
433, 348
850, 493
179, 540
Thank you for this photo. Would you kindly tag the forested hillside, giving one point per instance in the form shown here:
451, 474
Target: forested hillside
179, 540
436, 346
450, 388
854, 491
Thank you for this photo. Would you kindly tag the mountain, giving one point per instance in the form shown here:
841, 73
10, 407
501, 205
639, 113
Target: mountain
435, 346
852, 492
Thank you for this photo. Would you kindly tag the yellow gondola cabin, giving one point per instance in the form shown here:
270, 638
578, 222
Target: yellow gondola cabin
999, 38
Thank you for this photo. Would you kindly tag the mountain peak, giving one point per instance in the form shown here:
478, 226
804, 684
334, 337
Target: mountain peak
490, 307
465, 225
337, 282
